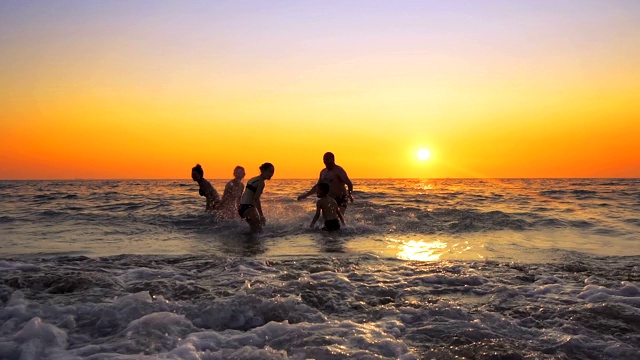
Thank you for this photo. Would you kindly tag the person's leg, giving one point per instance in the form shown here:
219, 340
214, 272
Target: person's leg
241, 210
253, 218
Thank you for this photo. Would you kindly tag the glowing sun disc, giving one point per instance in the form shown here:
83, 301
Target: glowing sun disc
423, 154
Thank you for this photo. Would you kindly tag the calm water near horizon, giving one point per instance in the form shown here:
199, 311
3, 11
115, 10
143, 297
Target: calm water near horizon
521, 268
504, 219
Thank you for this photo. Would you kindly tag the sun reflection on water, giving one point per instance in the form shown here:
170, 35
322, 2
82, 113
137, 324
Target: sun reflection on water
421, 250
423, 187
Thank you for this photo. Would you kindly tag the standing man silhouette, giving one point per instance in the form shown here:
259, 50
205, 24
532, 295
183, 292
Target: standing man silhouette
341, 187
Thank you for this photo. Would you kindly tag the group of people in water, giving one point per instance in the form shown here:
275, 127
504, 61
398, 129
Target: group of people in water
334, 190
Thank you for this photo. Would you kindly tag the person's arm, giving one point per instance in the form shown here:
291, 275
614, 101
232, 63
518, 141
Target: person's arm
317, 215
346, 180
211, 195
215, 196
340, 215
239, 196
228, 191
305, 195
313, 189
257, 203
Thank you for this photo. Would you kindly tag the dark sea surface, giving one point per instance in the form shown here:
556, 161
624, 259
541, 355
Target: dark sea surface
443, 269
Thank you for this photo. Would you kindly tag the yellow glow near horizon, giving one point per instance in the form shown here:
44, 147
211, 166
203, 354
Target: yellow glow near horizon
119, 90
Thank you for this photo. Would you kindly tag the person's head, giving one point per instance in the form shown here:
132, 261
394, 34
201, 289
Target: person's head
197, 173
267, 170
322, 190
329, 160
238, 172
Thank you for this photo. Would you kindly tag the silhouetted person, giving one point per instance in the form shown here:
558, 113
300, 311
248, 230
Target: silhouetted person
250, 208
206, 189
329, 209
231, 196
340, 185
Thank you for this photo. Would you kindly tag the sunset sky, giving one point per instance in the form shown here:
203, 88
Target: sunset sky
147, 89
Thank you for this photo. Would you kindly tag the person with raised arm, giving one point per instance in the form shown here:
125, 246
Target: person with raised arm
340, 186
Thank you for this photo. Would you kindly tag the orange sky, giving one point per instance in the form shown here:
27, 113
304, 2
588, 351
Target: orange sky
116, 90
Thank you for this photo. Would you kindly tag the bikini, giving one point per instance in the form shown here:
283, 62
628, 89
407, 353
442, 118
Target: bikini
244, 207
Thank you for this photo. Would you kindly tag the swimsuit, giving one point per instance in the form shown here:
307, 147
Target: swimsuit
252, 188
243, 208
331, 225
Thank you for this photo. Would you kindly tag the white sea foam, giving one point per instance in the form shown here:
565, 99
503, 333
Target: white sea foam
323, 308
627, 293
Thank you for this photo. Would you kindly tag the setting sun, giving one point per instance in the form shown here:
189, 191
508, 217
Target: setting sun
423, 154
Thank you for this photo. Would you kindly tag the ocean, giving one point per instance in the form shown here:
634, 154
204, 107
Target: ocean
423, 269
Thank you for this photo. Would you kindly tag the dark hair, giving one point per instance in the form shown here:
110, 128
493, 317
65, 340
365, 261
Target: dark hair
328, 155
198, 169
324, 187
266, 166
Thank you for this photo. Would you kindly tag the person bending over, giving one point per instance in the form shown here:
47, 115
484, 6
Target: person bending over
250, 208
206, 189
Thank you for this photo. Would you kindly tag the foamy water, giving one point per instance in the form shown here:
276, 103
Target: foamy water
477, 269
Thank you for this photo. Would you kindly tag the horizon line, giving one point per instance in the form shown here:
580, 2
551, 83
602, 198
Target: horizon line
363, 178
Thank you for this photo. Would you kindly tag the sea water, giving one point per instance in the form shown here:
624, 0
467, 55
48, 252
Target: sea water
444, 269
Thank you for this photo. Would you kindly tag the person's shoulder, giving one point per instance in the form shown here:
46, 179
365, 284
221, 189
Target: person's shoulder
256, 180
